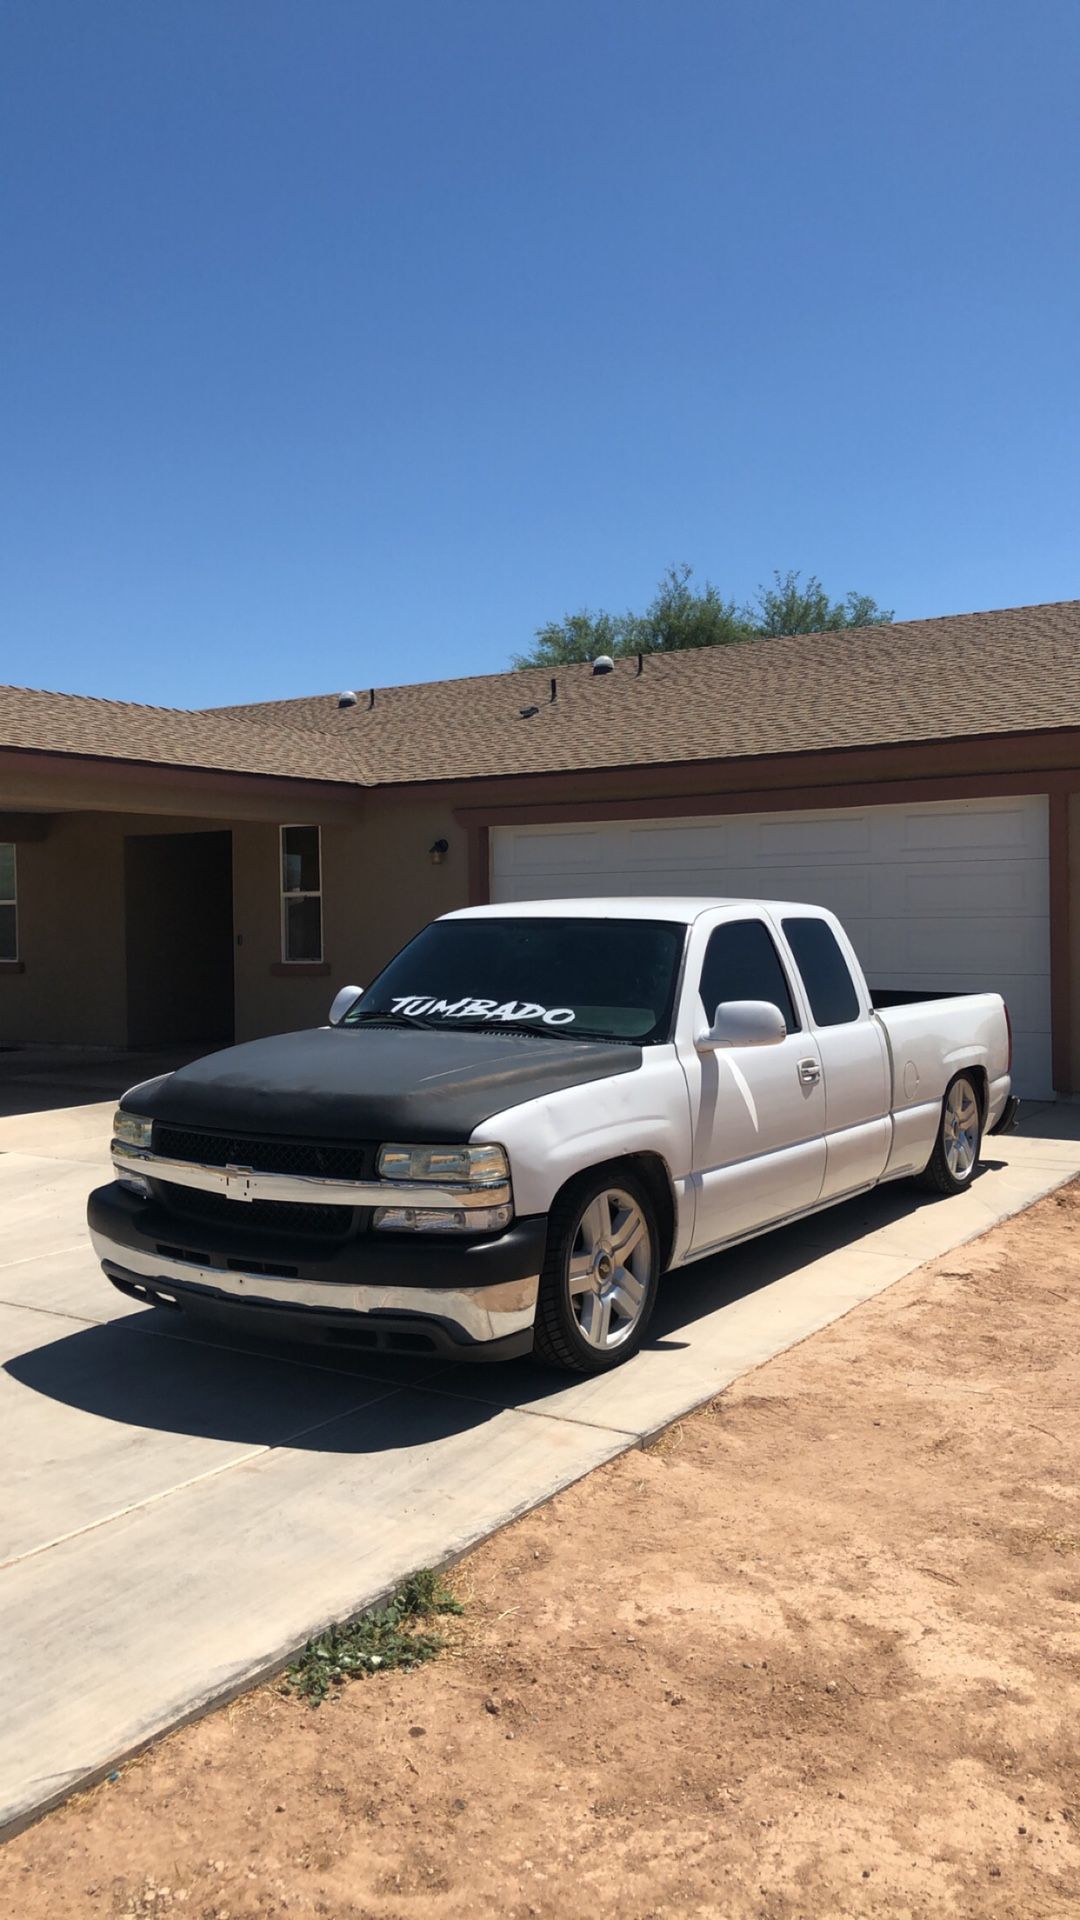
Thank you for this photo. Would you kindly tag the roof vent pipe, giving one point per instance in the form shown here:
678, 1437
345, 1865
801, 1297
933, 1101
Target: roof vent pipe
346, 699
370, 698
554, 686
603, 664
640, 664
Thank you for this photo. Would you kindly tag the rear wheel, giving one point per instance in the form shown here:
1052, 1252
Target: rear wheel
952, 1164
600, 1276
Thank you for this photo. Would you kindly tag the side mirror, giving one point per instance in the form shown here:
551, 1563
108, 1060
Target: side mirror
743, 1023
341, 1003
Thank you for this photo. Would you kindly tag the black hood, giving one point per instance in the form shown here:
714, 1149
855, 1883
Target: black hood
374, 1083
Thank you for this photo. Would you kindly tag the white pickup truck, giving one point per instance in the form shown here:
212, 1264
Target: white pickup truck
532, 1114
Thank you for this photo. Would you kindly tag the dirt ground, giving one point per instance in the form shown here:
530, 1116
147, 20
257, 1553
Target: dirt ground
814, 1653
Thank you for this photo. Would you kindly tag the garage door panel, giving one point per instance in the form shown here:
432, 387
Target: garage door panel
809, 837
974, 828
975, 888
959, 948
692, 847
847, 891
569, 885
540, 853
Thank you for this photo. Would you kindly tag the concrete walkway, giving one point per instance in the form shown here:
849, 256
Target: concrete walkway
177, 1513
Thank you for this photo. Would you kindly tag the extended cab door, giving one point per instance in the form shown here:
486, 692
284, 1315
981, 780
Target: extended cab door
851, 1049
758, 1116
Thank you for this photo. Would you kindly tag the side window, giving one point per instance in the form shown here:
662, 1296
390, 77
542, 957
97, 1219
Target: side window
9, 916
301, 894
830, 988
741, 963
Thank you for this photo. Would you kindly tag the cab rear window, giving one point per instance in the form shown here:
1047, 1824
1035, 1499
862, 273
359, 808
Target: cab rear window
830, 988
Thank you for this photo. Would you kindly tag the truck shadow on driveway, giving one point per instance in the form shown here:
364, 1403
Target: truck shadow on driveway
150, 1370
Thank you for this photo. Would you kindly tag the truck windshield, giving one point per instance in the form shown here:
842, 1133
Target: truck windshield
579, 978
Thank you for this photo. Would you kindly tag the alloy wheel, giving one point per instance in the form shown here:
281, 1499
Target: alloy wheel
610, 1268
960, 1135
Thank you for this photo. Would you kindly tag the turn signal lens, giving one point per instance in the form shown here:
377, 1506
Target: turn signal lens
445, 1166
442, 1219
134, 1183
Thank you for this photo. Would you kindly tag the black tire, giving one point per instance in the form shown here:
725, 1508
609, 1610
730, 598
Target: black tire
559, 1337
940, 1175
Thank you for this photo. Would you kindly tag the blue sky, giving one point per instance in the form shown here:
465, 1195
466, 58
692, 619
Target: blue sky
345, 343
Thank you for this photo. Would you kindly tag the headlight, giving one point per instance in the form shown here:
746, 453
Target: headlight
443, 1219
131, 1130
446, 1166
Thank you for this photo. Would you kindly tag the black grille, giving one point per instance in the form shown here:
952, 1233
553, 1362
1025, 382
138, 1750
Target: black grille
325, 1159
271, 1216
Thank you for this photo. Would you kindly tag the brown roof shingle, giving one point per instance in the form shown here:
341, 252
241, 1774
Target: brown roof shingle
72, 723
1016, 670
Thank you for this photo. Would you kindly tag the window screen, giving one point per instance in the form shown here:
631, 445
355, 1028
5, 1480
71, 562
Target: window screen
741, 963
830, 988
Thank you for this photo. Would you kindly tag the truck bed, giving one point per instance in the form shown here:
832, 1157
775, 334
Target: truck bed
881, 997
931, 1034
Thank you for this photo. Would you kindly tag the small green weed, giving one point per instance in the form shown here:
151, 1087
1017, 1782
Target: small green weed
383, 1638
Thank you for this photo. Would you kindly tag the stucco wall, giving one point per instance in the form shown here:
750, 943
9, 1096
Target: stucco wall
71, 932
379, 887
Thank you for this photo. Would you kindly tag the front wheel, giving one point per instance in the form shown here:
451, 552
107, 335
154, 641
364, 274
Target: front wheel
600, 1276
952, 1164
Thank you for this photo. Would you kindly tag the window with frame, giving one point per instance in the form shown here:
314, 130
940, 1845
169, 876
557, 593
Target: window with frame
741, 963
9, 911
826, 975
301, 894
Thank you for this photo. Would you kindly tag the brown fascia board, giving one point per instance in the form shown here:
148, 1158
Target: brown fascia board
723, 774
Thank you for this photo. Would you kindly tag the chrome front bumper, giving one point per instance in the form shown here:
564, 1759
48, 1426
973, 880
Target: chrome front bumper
470, 1315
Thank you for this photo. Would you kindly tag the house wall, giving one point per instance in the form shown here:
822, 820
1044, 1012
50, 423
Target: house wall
72, 989
379, 888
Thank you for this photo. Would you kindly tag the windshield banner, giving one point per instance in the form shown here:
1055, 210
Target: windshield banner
422, 1004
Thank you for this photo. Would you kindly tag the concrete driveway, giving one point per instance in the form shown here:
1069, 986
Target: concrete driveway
180, 1511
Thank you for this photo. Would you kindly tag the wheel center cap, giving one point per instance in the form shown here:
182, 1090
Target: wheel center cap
603, 1267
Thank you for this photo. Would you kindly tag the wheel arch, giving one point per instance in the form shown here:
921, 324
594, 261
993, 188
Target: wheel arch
980, 1081
655, 1175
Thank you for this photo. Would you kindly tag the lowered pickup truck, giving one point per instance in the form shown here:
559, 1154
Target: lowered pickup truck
532, 1114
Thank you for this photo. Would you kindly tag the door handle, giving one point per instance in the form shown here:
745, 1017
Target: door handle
809, 1073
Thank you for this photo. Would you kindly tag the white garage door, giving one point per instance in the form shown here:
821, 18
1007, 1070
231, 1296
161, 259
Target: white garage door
952, 895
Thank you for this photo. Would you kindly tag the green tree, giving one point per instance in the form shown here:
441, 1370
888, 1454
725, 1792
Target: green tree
678, 617
785, 607
681, 616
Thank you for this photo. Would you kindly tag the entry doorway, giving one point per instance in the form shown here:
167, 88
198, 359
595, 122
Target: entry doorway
179, 938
